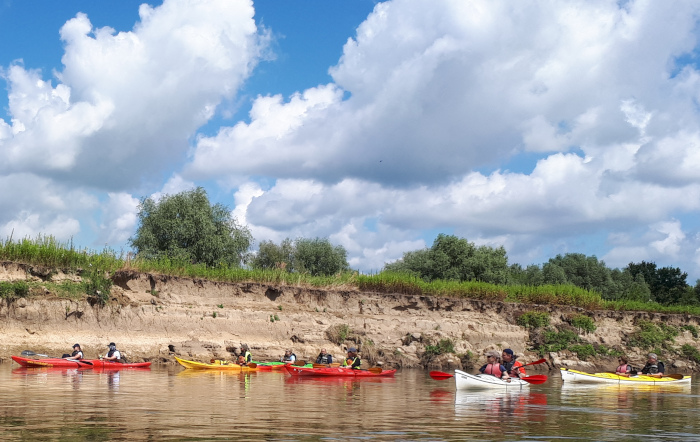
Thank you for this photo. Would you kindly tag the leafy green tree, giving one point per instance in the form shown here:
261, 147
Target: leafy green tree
584, 271
667, 285
185, 226
319, 257
271, 255
453, 258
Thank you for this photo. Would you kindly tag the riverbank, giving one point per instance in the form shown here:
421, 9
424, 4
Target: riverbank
152, 316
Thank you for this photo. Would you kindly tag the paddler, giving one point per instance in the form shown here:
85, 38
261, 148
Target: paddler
654, 367
76, 355
493, 366
245, 352
511, 364
352, 360
624, 369
324, 357
289, 357
113, 354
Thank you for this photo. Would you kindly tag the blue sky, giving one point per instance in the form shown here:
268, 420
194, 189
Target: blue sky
544, 128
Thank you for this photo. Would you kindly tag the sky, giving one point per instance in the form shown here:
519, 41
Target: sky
543, 127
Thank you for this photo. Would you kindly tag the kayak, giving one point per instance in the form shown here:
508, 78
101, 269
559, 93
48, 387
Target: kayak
216, 365
568, 375
270, 366
335, 371
466, 381
83, 363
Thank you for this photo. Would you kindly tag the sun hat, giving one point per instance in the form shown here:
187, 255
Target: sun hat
352, 350
508, 351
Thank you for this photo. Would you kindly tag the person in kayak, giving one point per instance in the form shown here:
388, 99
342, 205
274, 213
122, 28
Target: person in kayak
324, 357
493, 366
245, 352
76, 355
654, 367
624, 369
289, 357
241, 360
511, 364
353, 360
113, 354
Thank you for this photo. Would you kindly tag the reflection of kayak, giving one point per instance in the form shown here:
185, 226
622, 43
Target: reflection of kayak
466, 381
275, 366
568, 375
336, 371
216, 365
83, 363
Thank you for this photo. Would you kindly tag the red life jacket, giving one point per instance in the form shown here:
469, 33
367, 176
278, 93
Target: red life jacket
622, 369
494, 369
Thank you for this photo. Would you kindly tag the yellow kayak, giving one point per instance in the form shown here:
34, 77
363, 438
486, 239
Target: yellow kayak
569, 375
216, 365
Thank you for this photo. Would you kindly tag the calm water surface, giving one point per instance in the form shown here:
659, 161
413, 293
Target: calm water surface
175, 404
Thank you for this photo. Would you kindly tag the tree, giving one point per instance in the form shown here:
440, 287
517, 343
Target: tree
185, 226
585, 272
314, 256
319, 257
667, 285
271, 256
453, 258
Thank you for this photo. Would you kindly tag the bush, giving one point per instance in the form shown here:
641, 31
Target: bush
691, 328
691, 353
583, 351
555, 341
98, 285
533, 319
319, 257
651, 335
583, 323
441, 348
338, 333
13, 290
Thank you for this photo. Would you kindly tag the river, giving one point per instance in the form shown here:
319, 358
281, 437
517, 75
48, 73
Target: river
169, 403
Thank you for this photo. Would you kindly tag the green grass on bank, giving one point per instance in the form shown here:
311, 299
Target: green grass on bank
47, 252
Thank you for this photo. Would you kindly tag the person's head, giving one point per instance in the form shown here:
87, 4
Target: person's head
622, 359
112, 346
352, 350
323, 351
651, 358
244, 347
507, 355
288, 352
493, 357
76, 346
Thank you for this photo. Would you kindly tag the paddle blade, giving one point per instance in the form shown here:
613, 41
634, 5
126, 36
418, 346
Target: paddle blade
320, 366
439, 375
535, 379
539, 361
674, 376
375, 370
31, 353
252, 365
299, 363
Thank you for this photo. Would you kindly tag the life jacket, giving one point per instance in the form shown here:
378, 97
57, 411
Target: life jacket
622, 369
75, 353
248, 357
653, 368
493, 369
353, 362
512, 367
289, 358
323, 359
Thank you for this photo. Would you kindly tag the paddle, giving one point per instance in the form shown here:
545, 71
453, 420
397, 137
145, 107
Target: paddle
31, 353
252, 365
535, 379
441, 375
299, 363
375, 370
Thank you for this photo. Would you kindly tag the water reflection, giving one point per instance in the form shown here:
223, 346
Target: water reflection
170, 403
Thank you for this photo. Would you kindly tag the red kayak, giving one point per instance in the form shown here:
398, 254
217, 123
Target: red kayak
83, 363
337, 371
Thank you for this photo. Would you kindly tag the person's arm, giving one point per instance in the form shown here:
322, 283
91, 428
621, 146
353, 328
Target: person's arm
293, 358
504, 372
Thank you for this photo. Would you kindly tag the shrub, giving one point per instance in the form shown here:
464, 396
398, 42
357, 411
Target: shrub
583, 323
338, 333
555, 341
583, 351
691, 353
691, 328
651, 335
442, 347
533, 319
14, 290
98, 285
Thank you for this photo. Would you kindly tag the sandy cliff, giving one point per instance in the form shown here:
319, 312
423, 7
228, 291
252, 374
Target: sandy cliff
152, 317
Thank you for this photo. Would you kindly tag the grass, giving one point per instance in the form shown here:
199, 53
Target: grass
653, 335
583, 323
48, 252
533, 319
444, 346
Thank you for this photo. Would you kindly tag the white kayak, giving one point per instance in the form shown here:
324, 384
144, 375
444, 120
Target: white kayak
466, 381
568, 375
